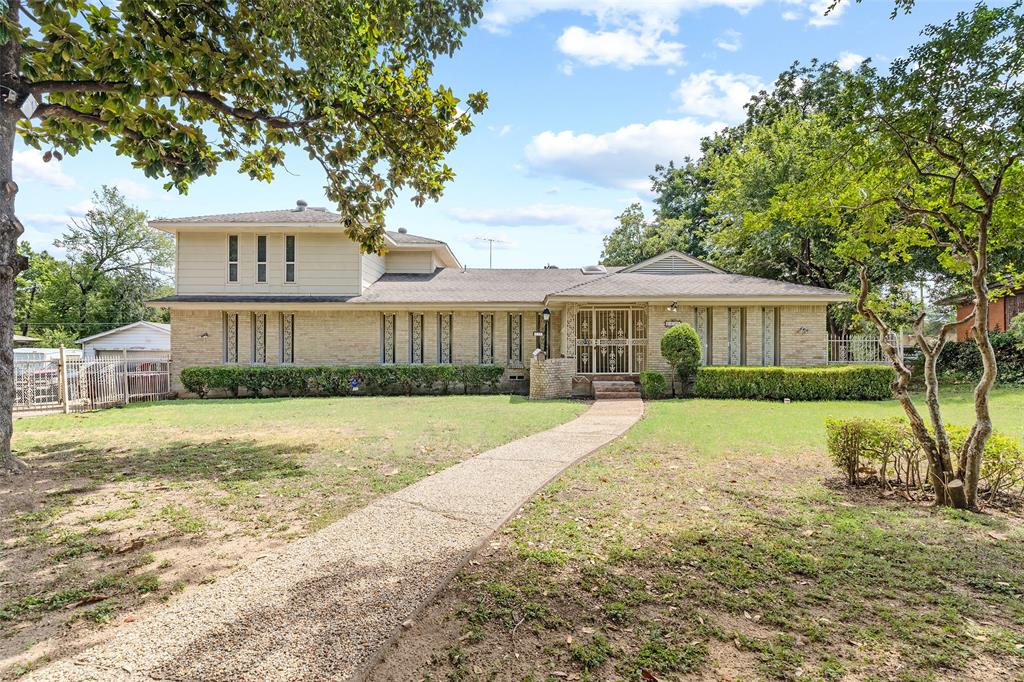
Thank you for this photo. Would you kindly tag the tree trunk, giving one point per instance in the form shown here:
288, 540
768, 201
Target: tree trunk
11, 263
974, 447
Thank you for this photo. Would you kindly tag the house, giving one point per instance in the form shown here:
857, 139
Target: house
1000, 311
290, 287
140, 340
44, 354
20, 341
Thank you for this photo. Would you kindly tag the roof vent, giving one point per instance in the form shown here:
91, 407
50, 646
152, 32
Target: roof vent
402, 230
301, 205
593, 270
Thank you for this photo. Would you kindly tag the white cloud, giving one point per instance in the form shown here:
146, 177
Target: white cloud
790, 15
623, 47
818, 8
730, 41
717, 95
848, 61
502, 131
500, 14
620, 158
580, 217
29, 165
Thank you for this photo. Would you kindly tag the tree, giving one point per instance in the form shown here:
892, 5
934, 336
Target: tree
928, 158
114, 247
680, 346
182, 87
625, 244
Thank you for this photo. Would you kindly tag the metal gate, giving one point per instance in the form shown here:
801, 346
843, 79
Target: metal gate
611, 340
78, 384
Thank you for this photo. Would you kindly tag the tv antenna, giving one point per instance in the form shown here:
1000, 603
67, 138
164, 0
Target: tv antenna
491, 241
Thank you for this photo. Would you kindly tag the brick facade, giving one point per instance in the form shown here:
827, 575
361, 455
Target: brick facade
354, 337
551, 378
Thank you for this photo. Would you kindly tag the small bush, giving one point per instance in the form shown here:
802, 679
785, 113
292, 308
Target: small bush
335, 381
961, 362
853, 382
897, 461
653, 385
680, 346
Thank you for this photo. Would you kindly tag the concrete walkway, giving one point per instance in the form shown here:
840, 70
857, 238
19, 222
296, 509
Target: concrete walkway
323, 607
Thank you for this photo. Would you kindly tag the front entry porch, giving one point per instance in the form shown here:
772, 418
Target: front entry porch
611, 341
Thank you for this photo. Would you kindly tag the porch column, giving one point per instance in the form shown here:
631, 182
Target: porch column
569, 330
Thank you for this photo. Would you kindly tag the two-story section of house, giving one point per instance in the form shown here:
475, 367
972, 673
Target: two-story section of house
289, 286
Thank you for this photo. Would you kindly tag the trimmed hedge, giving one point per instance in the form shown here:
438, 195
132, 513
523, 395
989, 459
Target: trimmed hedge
334, 381
653, 385
852, 382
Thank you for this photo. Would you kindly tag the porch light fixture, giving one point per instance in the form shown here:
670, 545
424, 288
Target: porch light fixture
674, 307
546, 314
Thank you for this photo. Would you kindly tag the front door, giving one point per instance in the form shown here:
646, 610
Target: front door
611, 340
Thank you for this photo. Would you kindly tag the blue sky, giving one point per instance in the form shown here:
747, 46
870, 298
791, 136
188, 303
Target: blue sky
586, 96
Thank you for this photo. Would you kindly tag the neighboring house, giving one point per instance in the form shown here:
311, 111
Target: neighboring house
290, 287
137, 341
44, 354
21, 341
1000, 311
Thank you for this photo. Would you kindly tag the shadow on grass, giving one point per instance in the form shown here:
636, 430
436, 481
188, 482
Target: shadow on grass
219, 461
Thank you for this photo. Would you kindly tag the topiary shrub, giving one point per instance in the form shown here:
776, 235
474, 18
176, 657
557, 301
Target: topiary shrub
653, 385
851, 382
680, 346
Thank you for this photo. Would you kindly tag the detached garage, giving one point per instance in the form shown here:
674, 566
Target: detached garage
139, 341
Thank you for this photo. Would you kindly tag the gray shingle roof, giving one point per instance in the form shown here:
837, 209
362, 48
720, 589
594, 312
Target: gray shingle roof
289, 216
692, 286
242, 298
454, 285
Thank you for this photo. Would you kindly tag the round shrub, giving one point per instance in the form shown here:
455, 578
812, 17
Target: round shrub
653, 385
680, 346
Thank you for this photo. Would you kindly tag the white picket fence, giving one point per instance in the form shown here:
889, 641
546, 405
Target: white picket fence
861, 350
78, 385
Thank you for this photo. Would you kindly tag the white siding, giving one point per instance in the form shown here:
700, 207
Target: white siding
373, 268
325, 263
140, 338
410, 261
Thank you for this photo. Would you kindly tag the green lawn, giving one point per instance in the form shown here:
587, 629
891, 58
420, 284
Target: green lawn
124, 508
713, 541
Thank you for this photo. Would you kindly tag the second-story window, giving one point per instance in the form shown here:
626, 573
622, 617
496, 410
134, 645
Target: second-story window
261, 258
289, 258
233, 258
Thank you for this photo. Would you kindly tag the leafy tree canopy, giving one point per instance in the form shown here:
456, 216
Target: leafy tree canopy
182, 87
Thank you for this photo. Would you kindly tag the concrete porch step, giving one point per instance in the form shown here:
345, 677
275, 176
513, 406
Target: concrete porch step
612, 390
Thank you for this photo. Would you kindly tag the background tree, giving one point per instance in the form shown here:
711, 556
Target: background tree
114, 263
929, 159
182, 87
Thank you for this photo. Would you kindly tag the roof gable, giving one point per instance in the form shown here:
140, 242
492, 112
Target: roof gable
673, 263
154, 326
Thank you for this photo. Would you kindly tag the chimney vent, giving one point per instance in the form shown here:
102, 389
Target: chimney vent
301, 205
402, 230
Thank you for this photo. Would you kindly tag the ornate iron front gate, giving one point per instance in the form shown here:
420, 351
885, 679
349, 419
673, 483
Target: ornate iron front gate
611, 340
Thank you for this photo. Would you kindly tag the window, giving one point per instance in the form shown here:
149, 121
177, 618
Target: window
515, 340
233, 258
444, 338
230, 337
769, 336
416, 338
289, 258
287, 338
735, 336
542, 336
387, 338
487, 338
259, 337
261, 258
702, 325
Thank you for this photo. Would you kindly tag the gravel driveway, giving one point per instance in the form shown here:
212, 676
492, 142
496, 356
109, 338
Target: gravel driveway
326, 605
